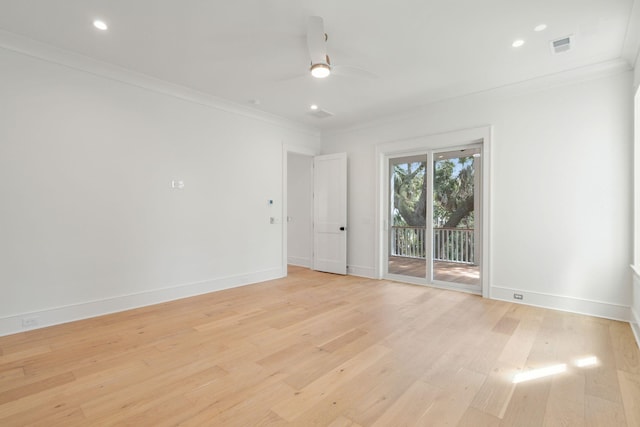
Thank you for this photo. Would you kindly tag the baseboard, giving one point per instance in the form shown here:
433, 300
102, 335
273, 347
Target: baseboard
360, 271
55, 316
635, 325
635, 307
564, 303
299, 261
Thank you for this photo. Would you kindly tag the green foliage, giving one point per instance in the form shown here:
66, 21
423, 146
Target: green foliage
409, 186
453, 190
453, 193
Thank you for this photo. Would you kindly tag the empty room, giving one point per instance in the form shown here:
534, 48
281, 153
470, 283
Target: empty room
297, 213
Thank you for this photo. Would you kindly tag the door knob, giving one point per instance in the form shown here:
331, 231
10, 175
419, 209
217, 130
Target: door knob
341, 228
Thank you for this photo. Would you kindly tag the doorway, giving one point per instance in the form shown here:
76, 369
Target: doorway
433, 206
408, 188
314, 210
456, 232
299, 210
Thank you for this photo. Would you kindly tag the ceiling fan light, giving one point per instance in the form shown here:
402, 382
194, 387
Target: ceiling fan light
320, 71
101, 25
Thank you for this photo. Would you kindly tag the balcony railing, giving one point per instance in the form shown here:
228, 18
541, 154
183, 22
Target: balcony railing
449, 244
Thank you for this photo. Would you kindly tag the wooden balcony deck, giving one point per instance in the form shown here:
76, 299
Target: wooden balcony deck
445, 271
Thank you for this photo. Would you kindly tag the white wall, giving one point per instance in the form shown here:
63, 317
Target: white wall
561, 188
299, 209
88, 221
635, 307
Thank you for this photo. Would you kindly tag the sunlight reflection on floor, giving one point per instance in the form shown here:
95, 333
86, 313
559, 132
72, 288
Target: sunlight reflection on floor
585, 362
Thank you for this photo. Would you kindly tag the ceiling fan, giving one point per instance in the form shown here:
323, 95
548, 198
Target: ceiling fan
321, 66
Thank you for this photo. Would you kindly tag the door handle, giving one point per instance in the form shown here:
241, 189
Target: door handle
341, 228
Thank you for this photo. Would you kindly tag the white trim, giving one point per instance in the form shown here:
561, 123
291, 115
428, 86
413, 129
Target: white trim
635, 325
361, 271
564, 303
45, 52
70, 313
441, 141
537, 84
634, 319
631, 45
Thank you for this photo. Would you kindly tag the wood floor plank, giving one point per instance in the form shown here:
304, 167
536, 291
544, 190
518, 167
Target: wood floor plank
496, 391
604, 413
624, 347
411, 405
566, 402
384, 383
630, 390
474, 417
211, 401
10, 376
528, 404
301, 401
19, 392
133, 397
8, 360
602, 380
64, 418
256, 409
342, 421
454, 401
517, 349
318, 349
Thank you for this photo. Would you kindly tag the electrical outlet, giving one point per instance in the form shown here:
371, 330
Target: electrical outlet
29, 322
517, 296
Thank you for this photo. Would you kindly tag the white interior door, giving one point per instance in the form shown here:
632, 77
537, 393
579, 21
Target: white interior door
330, 213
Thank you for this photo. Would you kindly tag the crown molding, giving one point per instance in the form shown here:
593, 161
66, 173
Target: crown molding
537, 84
49, 53
631, 45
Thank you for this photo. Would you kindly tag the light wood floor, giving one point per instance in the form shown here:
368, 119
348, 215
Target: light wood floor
320, 349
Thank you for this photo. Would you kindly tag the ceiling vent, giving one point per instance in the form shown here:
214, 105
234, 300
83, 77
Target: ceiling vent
561, 45
320, 113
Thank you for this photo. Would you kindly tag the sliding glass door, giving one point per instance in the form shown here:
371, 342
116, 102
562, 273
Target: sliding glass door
407, 216
434, 230
455, 232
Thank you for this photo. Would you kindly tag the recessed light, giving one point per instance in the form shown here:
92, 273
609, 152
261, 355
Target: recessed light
517, 43
313, 107
540, 27
101, 25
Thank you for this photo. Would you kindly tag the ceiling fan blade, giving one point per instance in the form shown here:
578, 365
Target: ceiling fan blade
316, 41
351, 71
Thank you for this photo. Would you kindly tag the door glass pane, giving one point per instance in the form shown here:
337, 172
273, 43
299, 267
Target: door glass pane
407, 216
455, 232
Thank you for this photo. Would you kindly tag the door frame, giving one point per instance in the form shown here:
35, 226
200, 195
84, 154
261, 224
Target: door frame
295, 149
438, 142
384, 273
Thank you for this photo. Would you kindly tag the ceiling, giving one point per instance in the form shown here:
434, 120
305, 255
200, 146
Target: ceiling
422, 51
